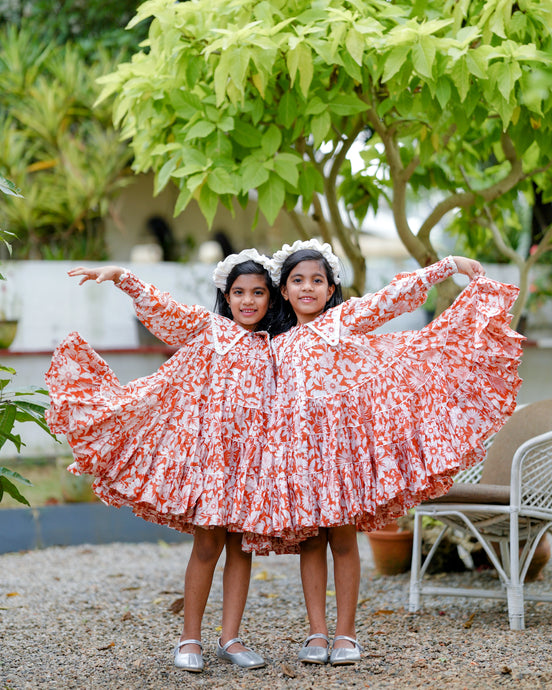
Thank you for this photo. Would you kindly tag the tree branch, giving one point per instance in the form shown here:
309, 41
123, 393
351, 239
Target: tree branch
297, 221
465, 199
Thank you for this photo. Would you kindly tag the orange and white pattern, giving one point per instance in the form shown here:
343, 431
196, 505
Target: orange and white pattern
362, 426
365, 426
181, 447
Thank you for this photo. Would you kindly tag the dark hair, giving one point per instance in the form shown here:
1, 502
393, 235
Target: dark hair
247, 268
285, 316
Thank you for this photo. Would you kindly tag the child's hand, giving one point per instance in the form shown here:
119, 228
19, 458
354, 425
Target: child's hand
98, 274
469, 267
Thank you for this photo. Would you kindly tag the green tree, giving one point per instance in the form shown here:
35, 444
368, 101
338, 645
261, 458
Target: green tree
448, 100
55, 145
92, 24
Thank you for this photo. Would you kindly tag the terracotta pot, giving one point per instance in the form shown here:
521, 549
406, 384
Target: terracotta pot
392, 549
539, 560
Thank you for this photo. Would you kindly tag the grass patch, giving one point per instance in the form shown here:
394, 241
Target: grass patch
52, 484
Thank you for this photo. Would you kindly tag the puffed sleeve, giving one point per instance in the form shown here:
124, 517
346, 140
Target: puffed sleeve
170, 321
405, 293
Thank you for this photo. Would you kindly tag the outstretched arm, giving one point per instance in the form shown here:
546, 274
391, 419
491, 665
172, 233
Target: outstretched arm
170, 321
405, 293
98, 274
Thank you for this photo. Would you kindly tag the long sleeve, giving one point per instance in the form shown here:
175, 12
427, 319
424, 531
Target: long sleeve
405, 293
170, 321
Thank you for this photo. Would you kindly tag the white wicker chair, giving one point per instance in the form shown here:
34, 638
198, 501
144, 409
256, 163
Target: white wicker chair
505, 502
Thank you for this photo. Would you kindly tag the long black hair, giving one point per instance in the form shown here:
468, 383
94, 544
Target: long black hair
246, 268
285, 316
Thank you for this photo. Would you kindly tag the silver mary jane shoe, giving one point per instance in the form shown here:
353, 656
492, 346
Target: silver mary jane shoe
314, 654
189, 661
345, 655
248, 659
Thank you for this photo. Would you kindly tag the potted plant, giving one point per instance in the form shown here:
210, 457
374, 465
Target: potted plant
392, 546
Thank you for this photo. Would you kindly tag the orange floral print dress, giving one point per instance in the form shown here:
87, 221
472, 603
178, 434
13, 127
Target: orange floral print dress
365, 425
181, 447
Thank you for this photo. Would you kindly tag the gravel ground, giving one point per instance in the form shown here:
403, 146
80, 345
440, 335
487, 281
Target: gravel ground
99, 617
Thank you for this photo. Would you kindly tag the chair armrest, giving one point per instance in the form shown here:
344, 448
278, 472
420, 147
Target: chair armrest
461, 492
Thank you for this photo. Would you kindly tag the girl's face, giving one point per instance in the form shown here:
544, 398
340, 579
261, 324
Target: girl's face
307, 290
248, 299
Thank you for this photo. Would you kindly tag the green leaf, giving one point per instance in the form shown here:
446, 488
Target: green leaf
286, 170
253, 174
271, 198
271, 140
310, 181
443, 91
461, 77
164, 175
287, 109
315, 106
239, 62
345, 104
355, 44
222, 182
182, 201
9, 188
245, 134
394, 61
320, 126
12, 490
506, 75
194, 161
477, 63
299, 59
221, 75
12, 474
185, 104
208, 203
7, 420
200, 130
423, 57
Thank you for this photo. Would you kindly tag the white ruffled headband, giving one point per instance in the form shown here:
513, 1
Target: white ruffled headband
223, 268
280, 256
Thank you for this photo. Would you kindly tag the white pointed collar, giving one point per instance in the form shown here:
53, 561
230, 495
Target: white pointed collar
327, 325
226, 333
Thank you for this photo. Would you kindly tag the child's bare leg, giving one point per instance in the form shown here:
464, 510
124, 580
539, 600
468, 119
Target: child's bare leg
344, 546
235, 585
208, 544
314, 576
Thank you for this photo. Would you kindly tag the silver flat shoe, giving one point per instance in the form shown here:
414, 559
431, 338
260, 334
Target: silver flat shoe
248, 659
345, 655
189, 661
314, 654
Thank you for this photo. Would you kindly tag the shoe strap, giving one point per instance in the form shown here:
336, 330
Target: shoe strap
349, 639
316, 636
181, 644
229, 643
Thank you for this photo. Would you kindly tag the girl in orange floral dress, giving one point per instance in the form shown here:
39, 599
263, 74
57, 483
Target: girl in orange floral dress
181, 447
365, 425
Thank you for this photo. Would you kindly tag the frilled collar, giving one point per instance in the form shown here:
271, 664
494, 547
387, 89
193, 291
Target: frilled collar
226, 333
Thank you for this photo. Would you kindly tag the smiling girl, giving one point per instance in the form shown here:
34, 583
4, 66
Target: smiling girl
181, 447
366, 425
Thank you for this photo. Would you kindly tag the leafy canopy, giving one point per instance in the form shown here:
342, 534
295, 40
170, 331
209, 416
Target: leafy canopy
229, 96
